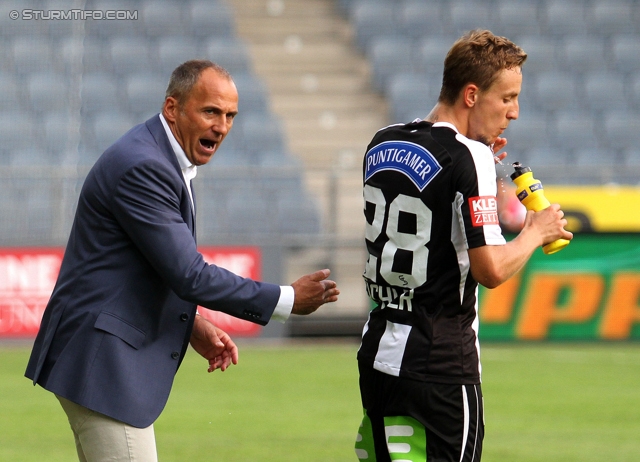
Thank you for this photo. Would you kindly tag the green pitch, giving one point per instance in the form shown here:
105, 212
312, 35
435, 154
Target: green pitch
543, 402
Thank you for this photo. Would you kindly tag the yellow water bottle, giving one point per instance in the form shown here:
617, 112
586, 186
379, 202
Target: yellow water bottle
531, 195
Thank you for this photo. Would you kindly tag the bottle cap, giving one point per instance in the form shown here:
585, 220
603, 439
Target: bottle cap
519, 170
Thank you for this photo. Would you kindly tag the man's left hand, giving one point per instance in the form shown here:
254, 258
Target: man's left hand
213, 344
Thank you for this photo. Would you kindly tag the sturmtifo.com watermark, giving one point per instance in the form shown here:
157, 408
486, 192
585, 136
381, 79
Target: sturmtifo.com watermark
71, 15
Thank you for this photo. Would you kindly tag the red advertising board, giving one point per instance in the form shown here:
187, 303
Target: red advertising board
28, 275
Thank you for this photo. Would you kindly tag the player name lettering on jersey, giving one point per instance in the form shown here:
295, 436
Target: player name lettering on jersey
413, 160
484, 210
388, 297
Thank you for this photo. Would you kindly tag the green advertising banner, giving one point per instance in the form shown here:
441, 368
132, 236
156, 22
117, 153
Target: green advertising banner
588, 291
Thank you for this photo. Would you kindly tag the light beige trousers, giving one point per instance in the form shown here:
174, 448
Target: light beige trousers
100, 438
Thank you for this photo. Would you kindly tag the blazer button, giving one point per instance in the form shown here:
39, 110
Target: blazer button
184, 317
175, 355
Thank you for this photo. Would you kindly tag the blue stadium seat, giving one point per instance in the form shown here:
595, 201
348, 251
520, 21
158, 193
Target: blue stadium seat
248, 213
130, 55
99, 93
58, 134
467, 15
411, 96
516, 18
621, 129
421, 18
47, 91
252, 94
145, 93
116, 28
430, 55
547, 157
17, 130
564, 17
389, 56
575, 130
89, 52
162, 17
635, 91
173, 51
31, 54
262, 132
230, 53
11, 28
605, 90
607, 17
370, 19
600, 158
108, 127
10, 99
529, 131
297, 215
210, 18
541, 54
579, 54
556, 91
626, 52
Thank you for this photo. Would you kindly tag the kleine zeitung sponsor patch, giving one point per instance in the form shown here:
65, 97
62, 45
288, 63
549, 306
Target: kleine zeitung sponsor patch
484, 210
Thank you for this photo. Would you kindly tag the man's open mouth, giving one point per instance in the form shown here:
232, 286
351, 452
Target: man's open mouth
208, 144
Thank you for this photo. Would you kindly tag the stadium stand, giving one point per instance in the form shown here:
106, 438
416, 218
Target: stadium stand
581, 92
71, 88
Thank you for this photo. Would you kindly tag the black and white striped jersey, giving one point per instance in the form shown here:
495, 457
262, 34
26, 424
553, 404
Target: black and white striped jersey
429, 195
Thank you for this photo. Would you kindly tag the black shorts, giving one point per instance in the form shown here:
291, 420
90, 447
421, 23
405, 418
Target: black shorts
410, 420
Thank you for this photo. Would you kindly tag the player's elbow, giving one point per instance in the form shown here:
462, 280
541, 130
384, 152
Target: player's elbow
488, 277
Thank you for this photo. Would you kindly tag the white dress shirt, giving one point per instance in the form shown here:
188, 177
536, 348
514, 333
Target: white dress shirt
189, 171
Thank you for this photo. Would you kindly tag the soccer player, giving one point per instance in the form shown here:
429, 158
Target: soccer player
432, 234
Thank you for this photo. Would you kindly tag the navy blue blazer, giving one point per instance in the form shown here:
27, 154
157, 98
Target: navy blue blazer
119, 320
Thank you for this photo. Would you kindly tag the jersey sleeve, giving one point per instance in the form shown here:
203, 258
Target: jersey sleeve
476, 204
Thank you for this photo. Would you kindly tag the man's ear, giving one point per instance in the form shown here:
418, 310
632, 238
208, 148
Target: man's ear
470, 95
170, 108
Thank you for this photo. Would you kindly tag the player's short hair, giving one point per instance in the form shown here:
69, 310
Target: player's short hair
477, 57
185, 76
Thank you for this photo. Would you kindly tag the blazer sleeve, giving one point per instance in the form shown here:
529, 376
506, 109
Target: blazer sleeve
146, 202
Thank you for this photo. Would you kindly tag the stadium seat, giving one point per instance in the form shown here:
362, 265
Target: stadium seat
600, 158
252, 94
130, 55
516, 18
232, 54
162, 17
564, 17
575, 130
31, 54
431, 52
529, 131
411, 96
370, 19
541, 54
210, 18
621, 129
390, 55
108, 127
145, 93
173, 51
467, 15
605, 90
99, 93
116, 28
11, 28
248, 214
420, 18
550, 156
262, 132
626, 52
556, 91
10, 99
606, 17
16, 130
47, 91
87, 53
578, 54
58, 133
635, 91
297, 215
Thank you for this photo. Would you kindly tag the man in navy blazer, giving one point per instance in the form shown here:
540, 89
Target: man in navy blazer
123, 310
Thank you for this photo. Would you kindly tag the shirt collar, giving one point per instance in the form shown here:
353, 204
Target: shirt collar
446, 124
188, 169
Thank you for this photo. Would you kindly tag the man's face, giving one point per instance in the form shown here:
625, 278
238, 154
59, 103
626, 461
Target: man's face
495, 107
205, 117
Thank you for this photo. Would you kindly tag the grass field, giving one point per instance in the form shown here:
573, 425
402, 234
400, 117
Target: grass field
300, 402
